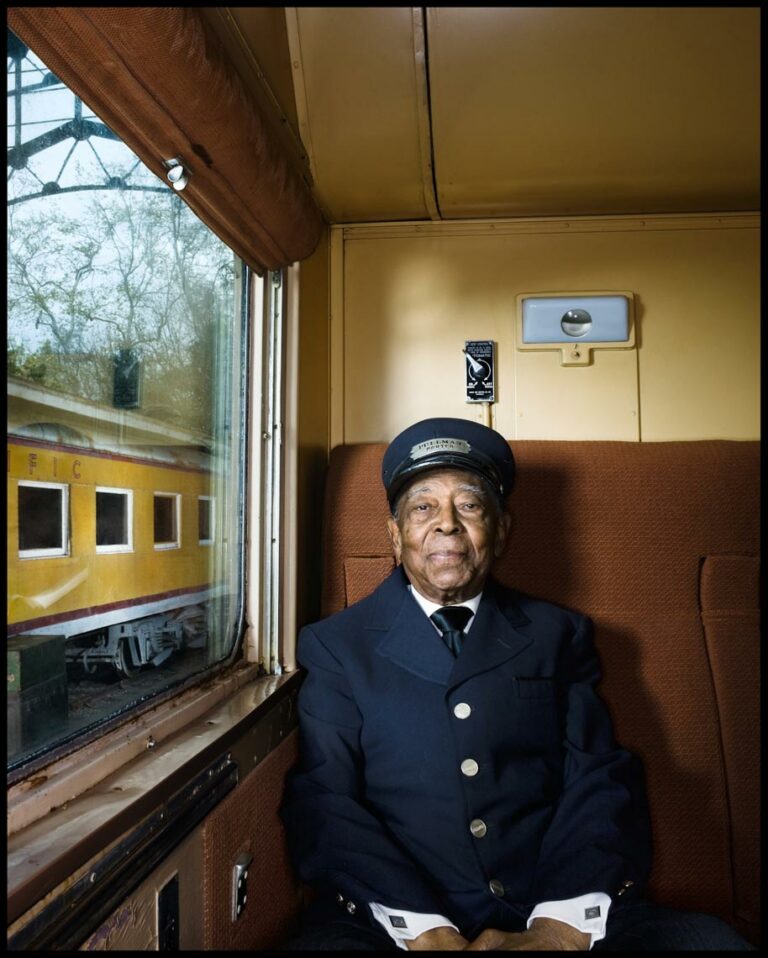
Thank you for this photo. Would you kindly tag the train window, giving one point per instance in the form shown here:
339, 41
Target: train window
42, 519
167, 521
204, 520
114, 520
127, 354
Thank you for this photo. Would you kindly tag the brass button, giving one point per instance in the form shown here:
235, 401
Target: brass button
351, 907
496, 887
462, 710
477, 827
470, 767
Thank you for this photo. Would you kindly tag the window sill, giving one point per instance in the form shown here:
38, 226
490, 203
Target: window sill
59, 820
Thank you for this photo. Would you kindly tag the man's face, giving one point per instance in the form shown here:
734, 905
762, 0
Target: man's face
447, 533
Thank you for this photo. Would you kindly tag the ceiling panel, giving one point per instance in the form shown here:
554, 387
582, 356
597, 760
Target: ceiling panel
533, 111
361, 101
542, 111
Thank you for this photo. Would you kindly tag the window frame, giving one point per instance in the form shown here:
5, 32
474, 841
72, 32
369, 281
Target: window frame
118, 547
173, 716
211, 500
47, 553
167, 544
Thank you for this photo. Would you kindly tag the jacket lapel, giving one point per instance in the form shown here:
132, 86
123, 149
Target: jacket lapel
410, 640
408, 637
496, 634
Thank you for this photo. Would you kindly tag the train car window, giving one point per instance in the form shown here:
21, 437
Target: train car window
42, 519
127, 346
167, 521
205, 520
114, 520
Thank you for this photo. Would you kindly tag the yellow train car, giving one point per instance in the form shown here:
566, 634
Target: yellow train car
109, 549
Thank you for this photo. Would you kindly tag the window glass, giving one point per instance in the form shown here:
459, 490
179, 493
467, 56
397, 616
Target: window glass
42, 519
205, 520
113, 519
125, 355
165, 520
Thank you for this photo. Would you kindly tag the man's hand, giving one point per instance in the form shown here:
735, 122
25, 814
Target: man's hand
545, 934
438, 939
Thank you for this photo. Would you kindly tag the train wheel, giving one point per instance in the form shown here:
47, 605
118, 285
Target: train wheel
124, 659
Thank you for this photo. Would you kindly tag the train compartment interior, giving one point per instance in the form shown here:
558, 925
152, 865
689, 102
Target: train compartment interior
248, 246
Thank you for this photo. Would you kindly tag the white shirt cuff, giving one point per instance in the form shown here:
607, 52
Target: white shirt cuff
404, 926
588, 913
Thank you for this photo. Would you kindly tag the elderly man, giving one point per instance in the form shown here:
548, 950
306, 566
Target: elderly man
459, 786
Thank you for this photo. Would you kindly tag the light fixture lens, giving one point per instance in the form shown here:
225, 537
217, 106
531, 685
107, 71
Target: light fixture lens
576, 322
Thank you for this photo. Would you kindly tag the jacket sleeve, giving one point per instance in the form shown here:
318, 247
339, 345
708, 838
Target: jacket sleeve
599, 838
335, 842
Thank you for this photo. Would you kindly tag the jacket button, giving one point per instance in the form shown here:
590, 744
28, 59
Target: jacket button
351, 907
470, 767
496, 887
477, 827
339, 899
462, 710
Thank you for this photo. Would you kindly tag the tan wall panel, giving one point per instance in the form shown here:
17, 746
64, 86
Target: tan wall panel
598, 401
700, 332
567, 110
409, 305
412, 295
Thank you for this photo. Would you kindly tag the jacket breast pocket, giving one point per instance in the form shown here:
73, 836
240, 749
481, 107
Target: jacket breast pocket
534, 721
535, 688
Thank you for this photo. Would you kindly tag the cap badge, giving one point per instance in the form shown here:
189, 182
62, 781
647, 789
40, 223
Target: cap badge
431, 446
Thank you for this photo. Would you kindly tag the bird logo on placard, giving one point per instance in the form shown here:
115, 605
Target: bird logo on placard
479, 370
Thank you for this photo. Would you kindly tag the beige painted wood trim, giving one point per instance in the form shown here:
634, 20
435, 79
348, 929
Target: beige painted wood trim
300, 95
287, 636
299, 90
574, 224
253, 640
423, 112
337, 335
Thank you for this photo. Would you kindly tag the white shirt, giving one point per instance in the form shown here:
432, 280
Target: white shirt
573, 911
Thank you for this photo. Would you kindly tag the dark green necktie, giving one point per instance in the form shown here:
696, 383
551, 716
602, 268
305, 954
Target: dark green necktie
451, 620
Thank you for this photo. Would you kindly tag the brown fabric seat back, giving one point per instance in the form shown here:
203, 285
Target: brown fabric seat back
659, 544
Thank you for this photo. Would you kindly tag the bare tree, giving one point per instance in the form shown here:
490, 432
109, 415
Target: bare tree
128, 271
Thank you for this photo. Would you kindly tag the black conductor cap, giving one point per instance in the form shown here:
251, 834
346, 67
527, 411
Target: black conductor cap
448, 443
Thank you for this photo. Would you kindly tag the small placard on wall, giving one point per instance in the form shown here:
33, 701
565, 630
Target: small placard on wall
480, 370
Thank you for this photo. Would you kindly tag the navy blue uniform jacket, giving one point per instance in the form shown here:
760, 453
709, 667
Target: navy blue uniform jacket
378, 808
